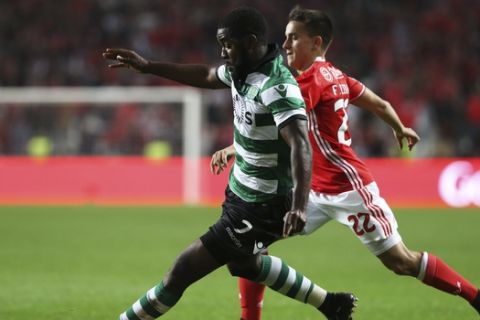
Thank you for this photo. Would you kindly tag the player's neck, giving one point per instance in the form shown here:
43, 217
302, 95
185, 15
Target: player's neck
319, 57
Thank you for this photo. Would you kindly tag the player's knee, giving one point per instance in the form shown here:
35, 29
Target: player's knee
235, 270
173, 280
179, 276
241, 271
247, 269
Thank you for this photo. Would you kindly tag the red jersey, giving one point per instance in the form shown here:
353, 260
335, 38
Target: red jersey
327, 92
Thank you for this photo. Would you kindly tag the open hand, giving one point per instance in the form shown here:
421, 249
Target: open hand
409, 134
126, 59
220, 159
294, 222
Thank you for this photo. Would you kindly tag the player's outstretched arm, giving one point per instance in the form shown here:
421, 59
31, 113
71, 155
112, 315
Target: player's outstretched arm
382, 108
196, 75
220, 159
296, 135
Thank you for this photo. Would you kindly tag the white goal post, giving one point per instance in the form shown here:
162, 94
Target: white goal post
190, 99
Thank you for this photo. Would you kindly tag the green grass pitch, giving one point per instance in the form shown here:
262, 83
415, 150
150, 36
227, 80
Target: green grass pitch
92, 262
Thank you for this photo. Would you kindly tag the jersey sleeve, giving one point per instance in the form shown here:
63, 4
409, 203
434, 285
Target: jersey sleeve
355, 87
285, 101
224, 75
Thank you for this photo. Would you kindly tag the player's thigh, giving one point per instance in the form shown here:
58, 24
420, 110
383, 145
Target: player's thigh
369, 217
245, 229
191, 265
317, 213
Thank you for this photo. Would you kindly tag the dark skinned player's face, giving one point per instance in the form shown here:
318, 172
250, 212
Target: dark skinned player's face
232, 50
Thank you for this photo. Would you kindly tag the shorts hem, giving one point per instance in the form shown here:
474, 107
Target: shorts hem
382, 246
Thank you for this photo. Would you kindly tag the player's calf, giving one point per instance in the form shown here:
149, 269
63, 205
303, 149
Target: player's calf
156, 302
284, 279
251, 299
436, 273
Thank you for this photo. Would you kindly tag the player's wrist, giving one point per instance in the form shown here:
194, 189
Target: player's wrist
145, 66
299, 206
399, 130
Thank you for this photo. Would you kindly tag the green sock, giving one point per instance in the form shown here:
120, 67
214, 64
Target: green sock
156, 302
278, 276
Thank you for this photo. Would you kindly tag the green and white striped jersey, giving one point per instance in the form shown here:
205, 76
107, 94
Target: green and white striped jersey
267, 99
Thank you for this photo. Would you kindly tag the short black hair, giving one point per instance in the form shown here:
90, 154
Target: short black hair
244, 21
316, 22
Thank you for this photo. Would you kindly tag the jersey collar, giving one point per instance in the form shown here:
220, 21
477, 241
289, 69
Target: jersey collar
310, 69
273, 51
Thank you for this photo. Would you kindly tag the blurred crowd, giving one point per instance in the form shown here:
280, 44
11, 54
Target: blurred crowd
422, 56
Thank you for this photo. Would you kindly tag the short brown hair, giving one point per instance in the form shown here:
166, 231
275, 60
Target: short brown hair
316, 22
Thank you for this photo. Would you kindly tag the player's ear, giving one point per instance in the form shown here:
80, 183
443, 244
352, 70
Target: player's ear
251, 41
317, 42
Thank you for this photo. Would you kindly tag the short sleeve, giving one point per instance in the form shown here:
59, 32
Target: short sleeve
355, 87
224, 75
284, 101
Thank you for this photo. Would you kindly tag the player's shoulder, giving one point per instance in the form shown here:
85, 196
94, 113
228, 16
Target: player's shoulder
278, 72
223, 74
328, 72
281, 82
279, 86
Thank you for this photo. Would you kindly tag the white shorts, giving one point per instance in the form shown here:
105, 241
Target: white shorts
364, 211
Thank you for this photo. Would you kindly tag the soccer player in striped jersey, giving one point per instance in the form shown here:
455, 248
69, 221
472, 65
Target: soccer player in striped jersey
269, 183
343, 188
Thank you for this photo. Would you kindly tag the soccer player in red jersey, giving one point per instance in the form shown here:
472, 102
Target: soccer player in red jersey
343, 188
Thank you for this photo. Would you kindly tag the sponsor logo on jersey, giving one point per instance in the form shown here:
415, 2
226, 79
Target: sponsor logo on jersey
335, 72
257, 247
234, 239
281, 90
330, 73
326, 74
240, 112
248, 227
238, 108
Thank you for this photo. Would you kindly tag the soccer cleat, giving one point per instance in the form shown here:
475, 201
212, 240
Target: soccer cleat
339, 306
476, 302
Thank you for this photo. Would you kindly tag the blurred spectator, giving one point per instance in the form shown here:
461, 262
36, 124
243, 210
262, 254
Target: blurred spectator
423, 56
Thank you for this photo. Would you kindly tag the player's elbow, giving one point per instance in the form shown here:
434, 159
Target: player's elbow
381, 106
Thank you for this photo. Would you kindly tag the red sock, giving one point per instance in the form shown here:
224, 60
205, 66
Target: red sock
251, 299
439, 275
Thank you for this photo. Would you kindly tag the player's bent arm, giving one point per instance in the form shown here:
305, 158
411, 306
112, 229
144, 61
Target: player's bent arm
229, 152
220, 158
296, 135
382, 108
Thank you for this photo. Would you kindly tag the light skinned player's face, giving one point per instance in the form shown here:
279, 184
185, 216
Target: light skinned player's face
301, 49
